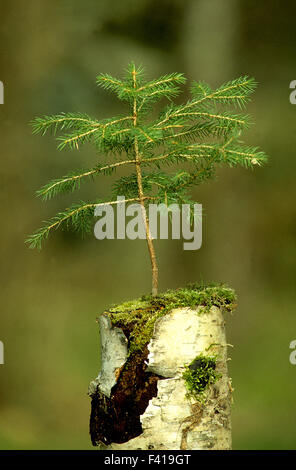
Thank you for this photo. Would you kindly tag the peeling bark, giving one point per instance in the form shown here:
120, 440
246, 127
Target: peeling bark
147, 406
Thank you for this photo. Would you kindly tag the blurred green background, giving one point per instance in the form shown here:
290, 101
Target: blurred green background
51, 53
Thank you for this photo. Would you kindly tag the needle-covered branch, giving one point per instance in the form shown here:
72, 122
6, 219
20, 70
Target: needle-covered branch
79, 217
72, 181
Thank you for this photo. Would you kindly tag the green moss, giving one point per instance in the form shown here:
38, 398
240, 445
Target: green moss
199, 374
137, 317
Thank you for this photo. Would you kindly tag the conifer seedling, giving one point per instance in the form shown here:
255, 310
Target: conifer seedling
201, 134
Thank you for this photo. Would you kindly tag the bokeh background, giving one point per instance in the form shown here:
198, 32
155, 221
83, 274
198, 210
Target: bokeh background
50, 55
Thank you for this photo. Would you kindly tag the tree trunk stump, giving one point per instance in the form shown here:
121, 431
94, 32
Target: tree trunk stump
142, 402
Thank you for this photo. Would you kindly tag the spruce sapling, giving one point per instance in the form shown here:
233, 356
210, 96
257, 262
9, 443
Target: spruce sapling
200, 134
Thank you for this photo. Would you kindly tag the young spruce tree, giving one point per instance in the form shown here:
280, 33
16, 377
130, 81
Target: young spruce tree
202, 133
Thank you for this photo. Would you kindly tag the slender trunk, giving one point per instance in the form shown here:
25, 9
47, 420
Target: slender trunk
142, 203
147, 229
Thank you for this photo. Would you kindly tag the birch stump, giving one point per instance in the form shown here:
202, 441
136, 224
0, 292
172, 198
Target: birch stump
142, 401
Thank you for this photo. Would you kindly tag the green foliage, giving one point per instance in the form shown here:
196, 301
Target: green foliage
137, 317
79, 216
199, 375
201, 134
145, 93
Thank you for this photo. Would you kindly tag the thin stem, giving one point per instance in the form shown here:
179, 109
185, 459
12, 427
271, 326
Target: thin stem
142, 203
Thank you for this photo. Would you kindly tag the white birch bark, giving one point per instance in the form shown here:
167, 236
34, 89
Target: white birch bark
172, 421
